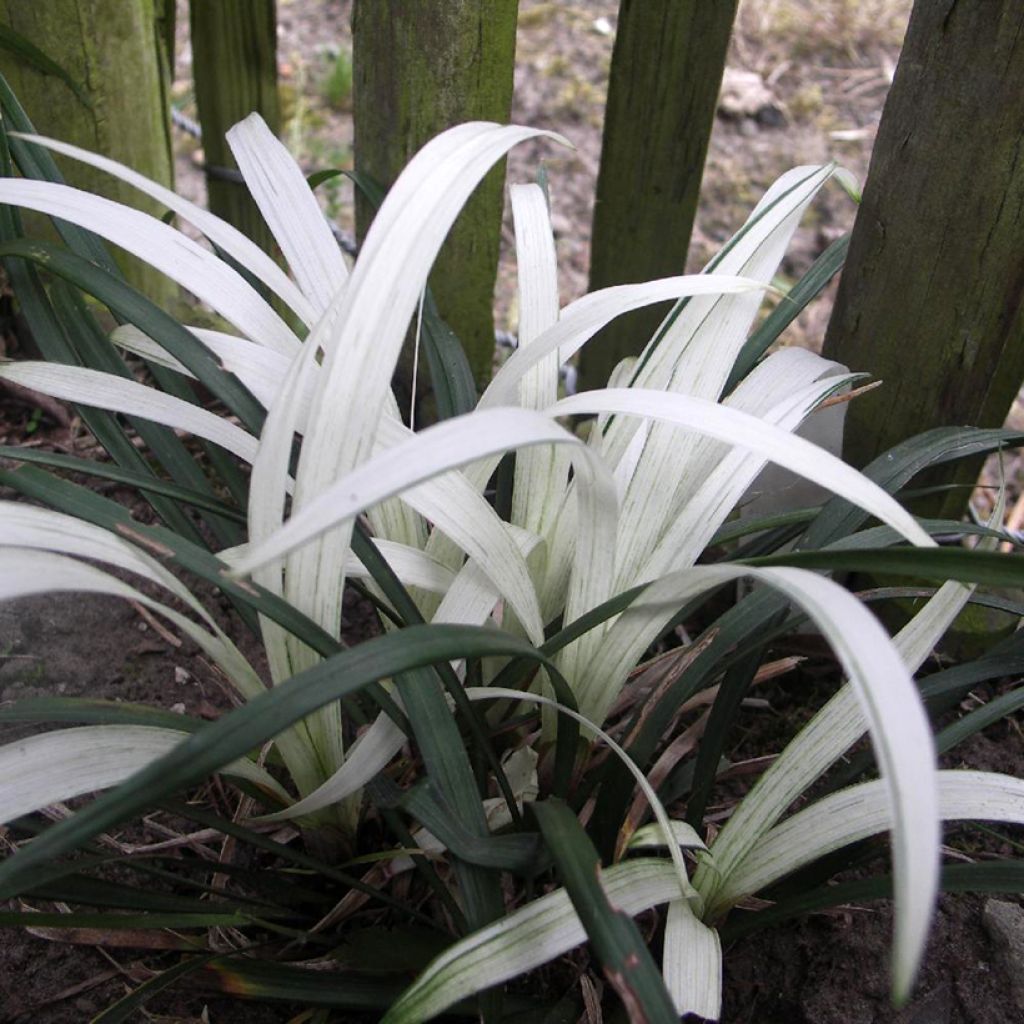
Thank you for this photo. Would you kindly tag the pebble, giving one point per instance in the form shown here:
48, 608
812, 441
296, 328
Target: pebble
1004, 922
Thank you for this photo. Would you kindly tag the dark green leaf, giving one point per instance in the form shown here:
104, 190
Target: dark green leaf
138, 481
313, 865
124, 1008
259, 720
519, 853
824, 268
120, 922
38, 163
986, 876
94, 711
27, 51
263, 979
980, 718
989, 567
615, 937
893, 469
133, 307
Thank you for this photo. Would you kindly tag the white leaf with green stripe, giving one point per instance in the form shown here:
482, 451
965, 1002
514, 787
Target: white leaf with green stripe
692, 962
888, 700
291, 211
119, 394
196, 269
372, 313
232, 241
24, 572
56, 766
860, 811
527, 938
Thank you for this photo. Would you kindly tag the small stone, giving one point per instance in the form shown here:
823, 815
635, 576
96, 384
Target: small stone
1004, 922
744, 94
178, 709
181, 675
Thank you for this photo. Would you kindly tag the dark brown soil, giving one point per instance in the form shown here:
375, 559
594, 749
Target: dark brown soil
835, 970
93, 646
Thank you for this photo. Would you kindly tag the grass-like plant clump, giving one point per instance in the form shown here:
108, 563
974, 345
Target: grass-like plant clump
495, 745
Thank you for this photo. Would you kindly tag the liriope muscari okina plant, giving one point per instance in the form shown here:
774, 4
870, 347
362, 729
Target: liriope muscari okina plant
602, 534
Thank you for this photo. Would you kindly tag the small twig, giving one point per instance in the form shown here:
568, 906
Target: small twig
156, 625
850, 395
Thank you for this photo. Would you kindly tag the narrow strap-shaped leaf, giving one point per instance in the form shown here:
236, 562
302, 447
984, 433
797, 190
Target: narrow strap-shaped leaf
92, 711
262, 718
56, 766
980, 718
518, 853
79, 501
287, 204
984, 876
133, 307
124, 1008
267, 980
194, 812
727, 703
528, 937
893, 469
450, 373
38, 164
821, 271
138, 481
448, 765
25, 50
121, 922
99, 892
232, 245
385, 578
851, 814
55, 344
94, 350
988, 567
165, 249
620, 948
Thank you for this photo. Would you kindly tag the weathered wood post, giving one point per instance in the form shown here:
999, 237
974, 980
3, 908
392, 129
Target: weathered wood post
666, 72
234, 67
420, 66
932, 297
116, 52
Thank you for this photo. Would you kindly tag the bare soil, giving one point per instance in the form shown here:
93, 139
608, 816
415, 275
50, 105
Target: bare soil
824, 66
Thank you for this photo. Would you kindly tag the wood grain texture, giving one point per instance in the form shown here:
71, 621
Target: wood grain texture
234, 66
115, 49
666, 72
931, 297
420, 66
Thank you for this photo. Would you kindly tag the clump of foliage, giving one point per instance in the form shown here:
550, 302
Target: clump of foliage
496, 739
337, 82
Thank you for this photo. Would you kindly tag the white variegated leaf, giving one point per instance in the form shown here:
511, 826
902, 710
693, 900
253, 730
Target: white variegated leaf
56, 766
373, 313
582, 319
527, 938
888, 700
118, 394
692, 963
196, 269
288, 205
860, 811
220, 232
